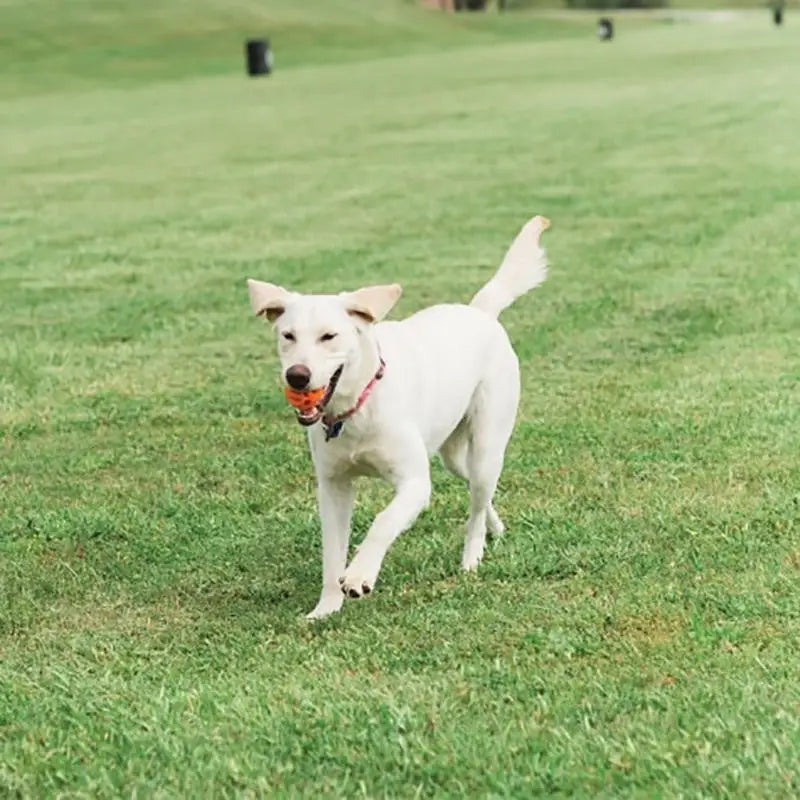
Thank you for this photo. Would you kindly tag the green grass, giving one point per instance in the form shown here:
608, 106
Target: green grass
636, 634
82, 43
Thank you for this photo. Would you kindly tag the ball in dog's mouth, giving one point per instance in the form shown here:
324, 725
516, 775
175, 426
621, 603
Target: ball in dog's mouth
305, 403
308, 404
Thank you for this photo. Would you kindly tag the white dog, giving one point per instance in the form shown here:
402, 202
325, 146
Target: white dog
445, 380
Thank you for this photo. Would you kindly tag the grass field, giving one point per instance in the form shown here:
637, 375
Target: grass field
637, 632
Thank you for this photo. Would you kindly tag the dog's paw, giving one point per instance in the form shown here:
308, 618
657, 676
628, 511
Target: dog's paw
328, 604
355, 585
359, 578
470, 564
362, 572
472, 555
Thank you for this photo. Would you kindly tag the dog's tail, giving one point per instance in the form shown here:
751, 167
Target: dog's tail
523, 268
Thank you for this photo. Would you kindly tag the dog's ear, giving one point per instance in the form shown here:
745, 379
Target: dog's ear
372, 303
267, 299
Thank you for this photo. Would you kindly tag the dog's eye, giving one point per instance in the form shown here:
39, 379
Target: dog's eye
327, 337
288, 336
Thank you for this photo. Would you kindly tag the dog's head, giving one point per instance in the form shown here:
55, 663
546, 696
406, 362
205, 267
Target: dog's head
320, 337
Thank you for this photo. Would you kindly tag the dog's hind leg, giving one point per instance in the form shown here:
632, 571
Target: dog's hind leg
485, 468
493, 522
454, 453
491, 421
454, 450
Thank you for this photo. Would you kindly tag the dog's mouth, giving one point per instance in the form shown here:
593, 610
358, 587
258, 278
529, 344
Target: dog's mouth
307, 418
308, 415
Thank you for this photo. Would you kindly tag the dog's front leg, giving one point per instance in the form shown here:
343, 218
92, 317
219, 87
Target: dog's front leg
413, 495
335, 498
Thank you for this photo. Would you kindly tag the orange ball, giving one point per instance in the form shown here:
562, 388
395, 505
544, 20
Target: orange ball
305, 400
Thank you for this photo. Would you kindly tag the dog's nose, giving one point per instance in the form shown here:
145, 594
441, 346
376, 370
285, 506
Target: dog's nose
298, 376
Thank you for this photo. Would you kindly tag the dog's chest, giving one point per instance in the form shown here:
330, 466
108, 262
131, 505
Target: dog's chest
355, 456
365, 461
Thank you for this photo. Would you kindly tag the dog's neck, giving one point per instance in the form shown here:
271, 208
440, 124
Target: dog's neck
357, 373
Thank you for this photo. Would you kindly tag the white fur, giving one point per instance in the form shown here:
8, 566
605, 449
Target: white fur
451, 386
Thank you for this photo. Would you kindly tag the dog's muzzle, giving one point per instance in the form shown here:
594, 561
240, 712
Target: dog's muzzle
313, 415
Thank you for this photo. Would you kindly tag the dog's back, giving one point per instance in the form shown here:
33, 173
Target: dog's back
441, 356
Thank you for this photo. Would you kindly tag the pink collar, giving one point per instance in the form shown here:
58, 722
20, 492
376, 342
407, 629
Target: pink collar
333, 424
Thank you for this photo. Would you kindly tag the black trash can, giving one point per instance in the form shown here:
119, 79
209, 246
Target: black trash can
259, 57
605, 29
